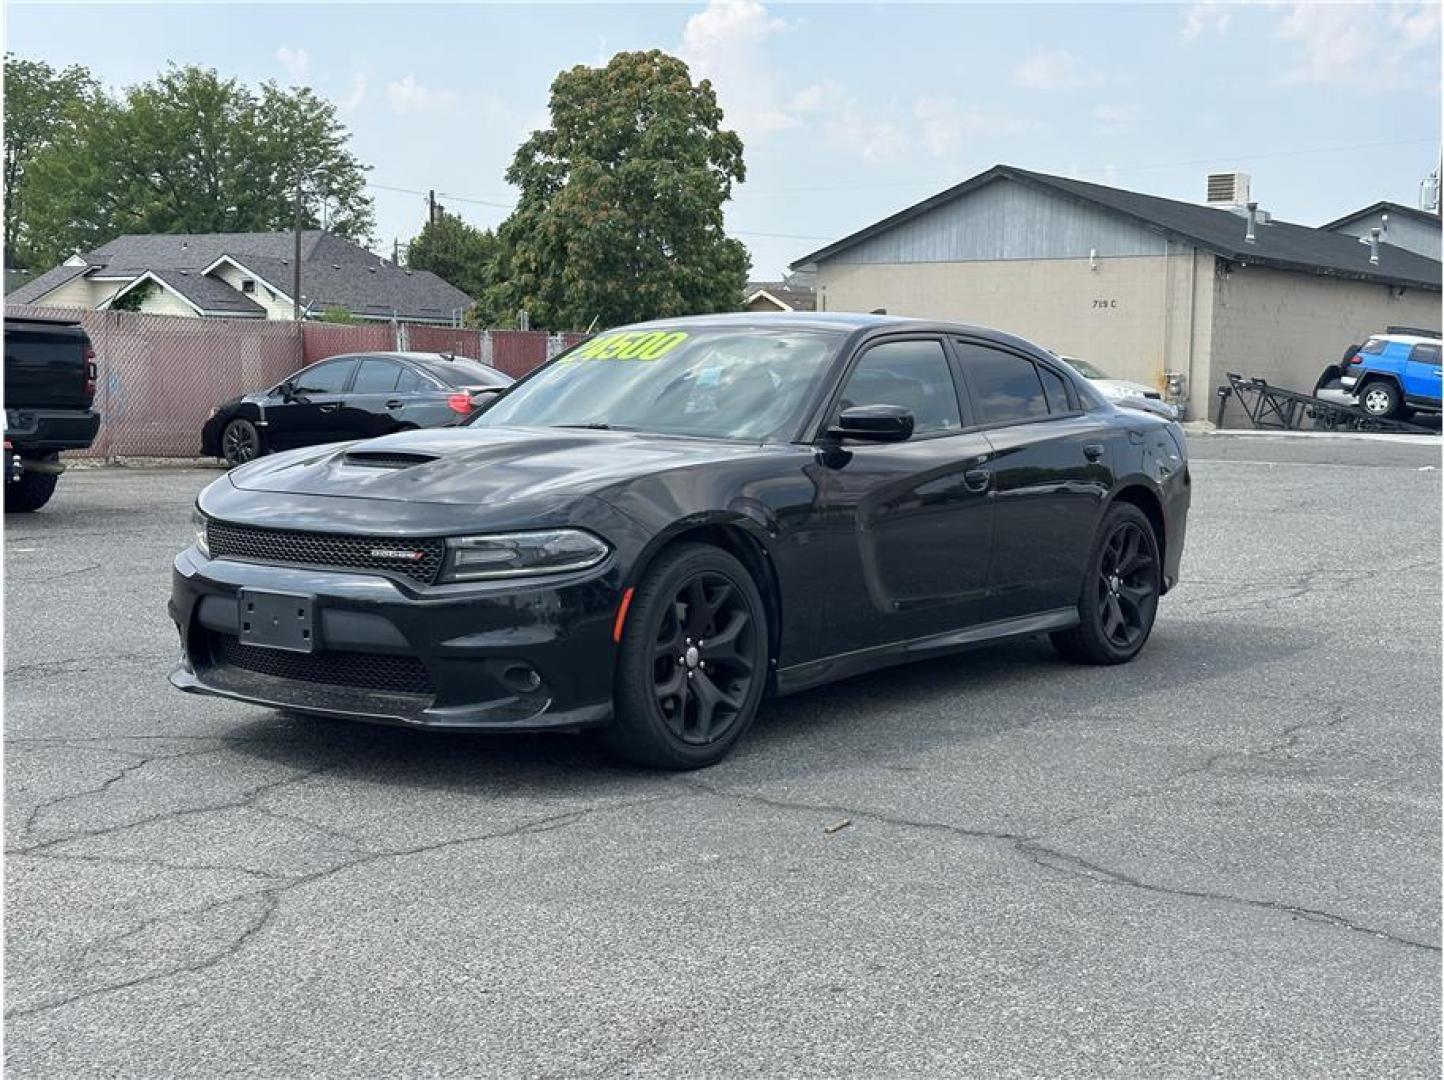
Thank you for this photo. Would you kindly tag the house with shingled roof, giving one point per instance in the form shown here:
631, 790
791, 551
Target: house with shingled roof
244, 276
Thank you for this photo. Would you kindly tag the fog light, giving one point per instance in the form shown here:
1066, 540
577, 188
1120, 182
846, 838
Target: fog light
521, 679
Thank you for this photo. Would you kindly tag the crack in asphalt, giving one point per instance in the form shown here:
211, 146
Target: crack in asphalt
77, 665
272, 896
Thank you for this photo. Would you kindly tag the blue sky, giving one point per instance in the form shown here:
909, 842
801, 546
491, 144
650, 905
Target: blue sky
847, 112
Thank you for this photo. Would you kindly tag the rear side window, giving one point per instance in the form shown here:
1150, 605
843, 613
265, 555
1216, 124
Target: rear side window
328, 378
413, 382
1373, 346
1425, 354
376, 377
1005, 388
1055, 390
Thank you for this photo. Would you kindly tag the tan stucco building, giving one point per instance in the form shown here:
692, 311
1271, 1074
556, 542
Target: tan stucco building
1143, 287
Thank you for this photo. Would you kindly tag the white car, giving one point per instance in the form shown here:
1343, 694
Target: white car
1113, 389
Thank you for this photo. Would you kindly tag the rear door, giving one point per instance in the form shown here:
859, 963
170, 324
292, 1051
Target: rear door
1422, 374
1052, 470
372, 406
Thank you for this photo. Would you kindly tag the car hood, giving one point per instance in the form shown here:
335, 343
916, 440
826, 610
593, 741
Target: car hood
482, 465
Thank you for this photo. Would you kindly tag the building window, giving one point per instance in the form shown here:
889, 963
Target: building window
248, 285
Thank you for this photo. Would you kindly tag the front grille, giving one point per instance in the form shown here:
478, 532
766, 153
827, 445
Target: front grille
366, 671
418, 559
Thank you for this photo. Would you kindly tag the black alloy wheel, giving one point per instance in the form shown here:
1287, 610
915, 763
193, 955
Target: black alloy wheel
1120, 591
240, 442
693, 662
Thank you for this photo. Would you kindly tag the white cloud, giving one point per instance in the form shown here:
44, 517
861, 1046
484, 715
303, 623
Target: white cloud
944, 126
296, 63
1207, 15
1113, 119
1333, 38
1054, 69
819, 97
871, 137
408, 96
356, 95
726, 42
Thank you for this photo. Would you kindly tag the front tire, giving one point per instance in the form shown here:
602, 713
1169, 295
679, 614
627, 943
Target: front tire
240, 442
1120, 591
692, 665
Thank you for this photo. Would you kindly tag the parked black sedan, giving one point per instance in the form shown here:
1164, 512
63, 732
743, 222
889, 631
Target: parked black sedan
357, 396
671, 520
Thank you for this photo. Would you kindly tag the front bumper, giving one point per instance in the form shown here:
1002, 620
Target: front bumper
485, 656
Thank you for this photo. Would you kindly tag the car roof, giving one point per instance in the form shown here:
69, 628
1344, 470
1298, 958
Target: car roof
1405, 339
837, 320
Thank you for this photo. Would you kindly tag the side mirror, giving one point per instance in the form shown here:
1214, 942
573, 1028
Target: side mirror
874, 423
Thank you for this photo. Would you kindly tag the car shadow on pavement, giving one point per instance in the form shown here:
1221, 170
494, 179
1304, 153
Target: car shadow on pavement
903, 710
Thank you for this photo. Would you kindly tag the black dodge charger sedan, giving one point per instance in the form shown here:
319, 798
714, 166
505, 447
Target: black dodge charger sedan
672, 520
358, 396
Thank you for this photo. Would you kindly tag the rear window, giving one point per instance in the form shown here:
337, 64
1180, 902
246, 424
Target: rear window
461, 372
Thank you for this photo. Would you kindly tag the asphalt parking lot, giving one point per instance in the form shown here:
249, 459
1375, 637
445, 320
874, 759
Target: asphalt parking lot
1223, 858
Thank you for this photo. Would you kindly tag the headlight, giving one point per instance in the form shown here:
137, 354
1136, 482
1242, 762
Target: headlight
199, 521
552, 551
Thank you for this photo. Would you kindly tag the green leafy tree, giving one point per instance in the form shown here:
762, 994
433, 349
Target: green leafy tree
42, 105
456, 252
193, 152
337, 314
620, 216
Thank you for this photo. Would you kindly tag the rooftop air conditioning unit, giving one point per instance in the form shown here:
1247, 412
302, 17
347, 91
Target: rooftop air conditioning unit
1227, 189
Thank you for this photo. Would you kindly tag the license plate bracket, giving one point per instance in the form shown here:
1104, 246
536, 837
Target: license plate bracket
274, 620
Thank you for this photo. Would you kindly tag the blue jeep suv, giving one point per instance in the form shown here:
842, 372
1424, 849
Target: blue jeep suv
1393, 375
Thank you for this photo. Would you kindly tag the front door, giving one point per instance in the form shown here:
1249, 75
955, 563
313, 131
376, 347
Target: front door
909, 525
313, 412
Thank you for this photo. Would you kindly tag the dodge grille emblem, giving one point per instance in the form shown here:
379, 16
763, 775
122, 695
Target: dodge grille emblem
393, 553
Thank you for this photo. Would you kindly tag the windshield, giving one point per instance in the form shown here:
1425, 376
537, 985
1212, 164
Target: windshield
1084, 368
743, 383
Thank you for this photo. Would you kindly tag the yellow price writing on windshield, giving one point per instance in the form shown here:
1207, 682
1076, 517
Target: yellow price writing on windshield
636, 345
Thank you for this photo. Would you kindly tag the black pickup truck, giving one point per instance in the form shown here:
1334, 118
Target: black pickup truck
49, 389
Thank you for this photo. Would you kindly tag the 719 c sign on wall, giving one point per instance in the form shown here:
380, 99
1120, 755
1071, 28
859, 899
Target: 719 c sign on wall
1099, 304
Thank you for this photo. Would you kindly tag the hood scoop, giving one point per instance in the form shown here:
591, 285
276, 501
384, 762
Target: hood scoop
385, 459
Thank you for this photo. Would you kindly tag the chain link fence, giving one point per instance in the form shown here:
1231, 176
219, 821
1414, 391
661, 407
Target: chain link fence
159, 377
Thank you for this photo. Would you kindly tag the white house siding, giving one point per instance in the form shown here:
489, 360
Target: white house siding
81, 293
1287, 326
161, 301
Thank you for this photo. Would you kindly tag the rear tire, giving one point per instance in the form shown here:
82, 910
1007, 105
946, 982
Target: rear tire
1121, 585
31, 491
692, 664
1381, 399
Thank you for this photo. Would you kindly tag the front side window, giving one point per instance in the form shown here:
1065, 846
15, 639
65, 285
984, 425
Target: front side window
731, 383
327, 378
912, 374
1005, 388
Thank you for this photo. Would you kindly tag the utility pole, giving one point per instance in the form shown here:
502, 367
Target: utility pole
431, 207
296, 266
395, 251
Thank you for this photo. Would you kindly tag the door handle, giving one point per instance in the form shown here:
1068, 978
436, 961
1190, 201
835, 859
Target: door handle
977, 479
395, 403
1093, 451
331, 407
